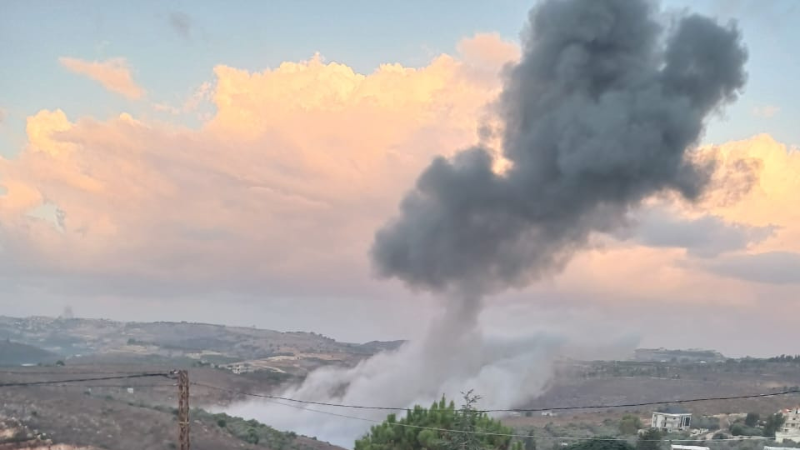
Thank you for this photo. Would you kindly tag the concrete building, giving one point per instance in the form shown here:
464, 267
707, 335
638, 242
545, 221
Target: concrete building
671, 419
791, 428
688, 447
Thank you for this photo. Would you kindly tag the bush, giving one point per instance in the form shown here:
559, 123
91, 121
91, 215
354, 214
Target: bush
221, 423
629, 425
752, 419
738, 429
706, 422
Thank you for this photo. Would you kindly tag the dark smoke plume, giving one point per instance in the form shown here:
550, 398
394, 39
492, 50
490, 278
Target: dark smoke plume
601, 112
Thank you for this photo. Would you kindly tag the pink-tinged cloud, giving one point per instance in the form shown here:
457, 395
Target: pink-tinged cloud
287, 181
114, 74
280, 192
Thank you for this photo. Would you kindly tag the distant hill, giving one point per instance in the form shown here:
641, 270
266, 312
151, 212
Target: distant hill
295, 352
15, 354
666, 355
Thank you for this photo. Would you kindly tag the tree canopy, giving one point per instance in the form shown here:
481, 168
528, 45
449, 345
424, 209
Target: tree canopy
649, 440
454, 429
773, 424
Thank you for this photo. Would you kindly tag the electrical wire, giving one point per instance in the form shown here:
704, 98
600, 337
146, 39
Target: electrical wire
69, 371
556, 408
489, 433
81, 380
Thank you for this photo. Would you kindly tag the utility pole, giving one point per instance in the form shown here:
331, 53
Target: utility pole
183, 408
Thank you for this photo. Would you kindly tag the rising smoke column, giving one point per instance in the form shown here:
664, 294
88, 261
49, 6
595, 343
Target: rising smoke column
600, 113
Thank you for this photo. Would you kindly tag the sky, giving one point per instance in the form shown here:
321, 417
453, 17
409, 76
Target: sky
231, 164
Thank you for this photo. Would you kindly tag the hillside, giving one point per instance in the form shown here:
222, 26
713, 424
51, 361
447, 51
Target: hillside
121, 421
15, 354
106, 341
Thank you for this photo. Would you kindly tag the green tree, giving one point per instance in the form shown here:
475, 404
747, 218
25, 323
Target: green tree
463, 437
773, 424
440, 427
60, 363
252, 436
529, 443
752, 419
630, 424
649, 440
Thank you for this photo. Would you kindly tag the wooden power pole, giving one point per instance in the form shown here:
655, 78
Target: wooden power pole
183, 408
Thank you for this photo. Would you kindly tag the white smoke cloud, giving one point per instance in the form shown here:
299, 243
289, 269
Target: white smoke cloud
452, 357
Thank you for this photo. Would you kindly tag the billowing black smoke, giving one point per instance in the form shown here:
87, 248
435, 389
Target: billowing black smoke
601, 112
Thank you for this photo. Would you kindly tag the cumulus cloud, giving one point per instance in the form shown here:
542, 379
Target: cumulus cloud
114, 74
706, 236
770, 267
286, 181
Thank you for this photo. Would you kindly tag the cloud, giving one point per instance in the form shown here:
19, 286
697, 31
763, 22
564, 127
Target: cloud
114, 74
199, 96
287, 181
766, 111
3, 115
279, 193
181, 23
770, 268
707, 236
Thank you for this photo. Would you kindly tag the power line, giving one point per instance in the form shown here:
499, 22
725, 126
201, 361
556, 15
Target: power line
69, 371
488, 433
81, 380
631, 405
556, 408
307, 402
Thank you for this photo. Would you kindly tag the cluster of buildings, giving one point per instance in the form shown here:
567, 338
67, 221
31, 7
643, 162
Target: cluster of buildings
677, 419
791, 428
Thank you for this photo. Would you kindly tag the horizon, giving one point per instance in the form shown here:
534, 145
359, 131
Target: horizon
183, 162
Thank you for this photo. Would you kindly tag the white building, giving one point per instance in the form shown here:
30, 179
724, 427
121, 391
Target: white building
790, 431
671, 419
688, 447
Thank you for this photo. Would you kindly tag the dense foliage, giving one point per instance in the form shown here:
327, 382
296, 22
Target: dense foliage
251, 431
649, 440
773, 424
630, 424
441, 426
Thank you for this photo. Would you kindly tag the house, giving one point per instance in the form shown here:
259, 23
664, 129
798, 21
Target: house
671, 418
791, 428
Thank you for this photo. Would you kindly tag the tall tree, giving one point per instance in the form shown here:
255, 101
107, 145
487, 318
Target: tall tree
773, 424
440, 427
